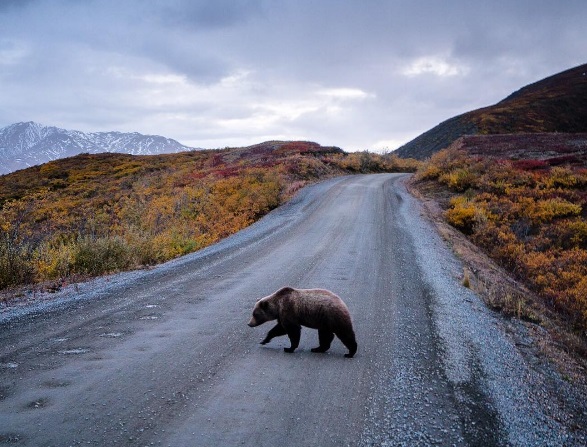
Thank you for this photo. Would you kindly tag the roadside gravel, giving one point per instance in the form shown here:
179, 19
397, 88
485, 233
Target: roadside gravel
486, 358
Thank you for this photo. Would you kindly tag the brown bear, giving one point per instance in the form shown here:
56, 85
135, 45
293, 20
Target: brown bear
314, 308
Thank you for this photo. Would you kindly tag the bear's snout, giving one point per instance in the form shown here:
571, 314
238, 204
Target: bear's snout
253, 322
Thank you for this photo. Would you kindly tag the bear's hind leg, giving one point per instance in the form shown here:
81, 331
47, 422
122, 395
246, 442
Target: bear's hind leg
349, 341
276, 331
325, 337
294, 333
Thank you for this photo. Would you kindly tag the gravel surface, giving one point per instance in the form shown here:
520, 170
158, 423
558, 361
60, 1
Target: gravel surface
500, 398
164, 356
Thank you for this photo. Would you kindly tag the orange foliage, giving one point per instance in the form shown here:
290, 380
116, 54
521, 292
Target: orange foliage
533, 223
93, 214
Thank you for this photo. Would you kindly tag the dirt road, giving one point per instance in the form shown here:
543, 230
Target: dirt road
165, 357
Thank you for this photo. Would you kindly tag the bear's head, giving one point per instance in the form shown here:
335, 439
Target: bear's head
262, 312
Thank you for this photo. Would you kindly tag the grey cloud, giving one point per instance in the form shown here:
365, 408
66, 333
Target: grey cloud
9, 5
191, 58
208, 14
90, 62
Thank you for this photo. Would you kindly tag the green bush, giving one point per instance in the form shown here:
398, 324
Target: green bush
15, 265
101, 255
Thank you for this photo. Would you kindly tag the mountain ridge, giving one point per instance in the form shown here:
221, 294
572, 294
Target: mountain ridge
557, 103
27, 144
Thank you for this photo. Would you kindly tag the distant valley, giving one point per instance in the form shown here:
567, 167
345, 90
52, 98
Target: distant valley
23, 145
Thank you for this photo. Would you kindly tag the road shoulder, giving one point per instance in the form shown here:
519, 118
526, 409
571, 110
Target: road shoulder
556, 361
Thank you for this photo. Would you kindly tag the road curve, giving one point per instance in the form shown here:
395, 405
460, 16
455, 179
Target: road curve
165, 357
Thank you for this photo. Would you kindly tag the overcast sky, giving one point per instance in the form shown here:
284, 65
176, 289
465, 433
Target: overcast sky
369, 74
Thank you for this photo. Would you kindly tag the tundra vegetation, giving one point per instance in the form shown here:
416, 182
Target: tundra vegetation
528, 215
95, 214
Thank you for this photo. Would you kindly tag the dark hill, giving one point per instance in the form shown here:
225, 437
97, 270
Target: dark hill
555, 104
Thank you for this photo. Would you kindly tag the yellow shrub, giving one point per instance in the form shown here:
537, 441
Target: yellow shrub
557, 207
560, 177
428, 172
459, 179
462, 214
53, 261
578, 232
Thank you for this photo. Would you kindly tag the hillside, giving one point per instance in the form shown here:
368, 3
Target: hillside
528, 150
555, 104
522, 199
29, 144
98, 213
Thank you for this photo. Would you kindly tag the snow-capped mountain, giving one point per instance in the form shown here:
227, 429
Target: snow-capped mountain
29, 144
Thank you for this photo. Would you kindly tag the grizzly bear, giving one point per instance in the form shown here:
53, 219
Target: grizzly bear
314, 308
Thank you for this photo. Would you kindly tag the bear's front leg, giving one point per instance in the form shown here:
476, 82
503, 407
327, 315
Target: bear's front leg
276, 331
294, 333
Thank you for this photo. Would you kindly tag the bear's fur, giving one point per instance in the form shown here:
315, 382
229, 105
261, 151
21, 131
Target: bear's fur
314, 308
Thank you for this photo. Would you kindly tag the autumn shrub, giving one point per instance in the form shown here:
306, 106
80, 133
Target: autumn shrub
306, 168
548, 209
95, 256
173, 243
577, 295
429, 171
561, 177
95, 214
501, 242
15, 262
369, 162
462, 214
568, 233
16, 244
531, 165
292, 187
55, 234
54, 260
459, 179
531, 221
393, 163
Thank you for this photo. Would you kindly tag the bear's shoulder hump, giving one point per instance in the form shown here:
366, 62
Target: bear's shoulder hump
284, 291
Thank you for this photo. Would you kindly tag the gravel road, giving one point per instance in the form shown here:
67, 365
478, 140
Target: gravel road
165, 356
